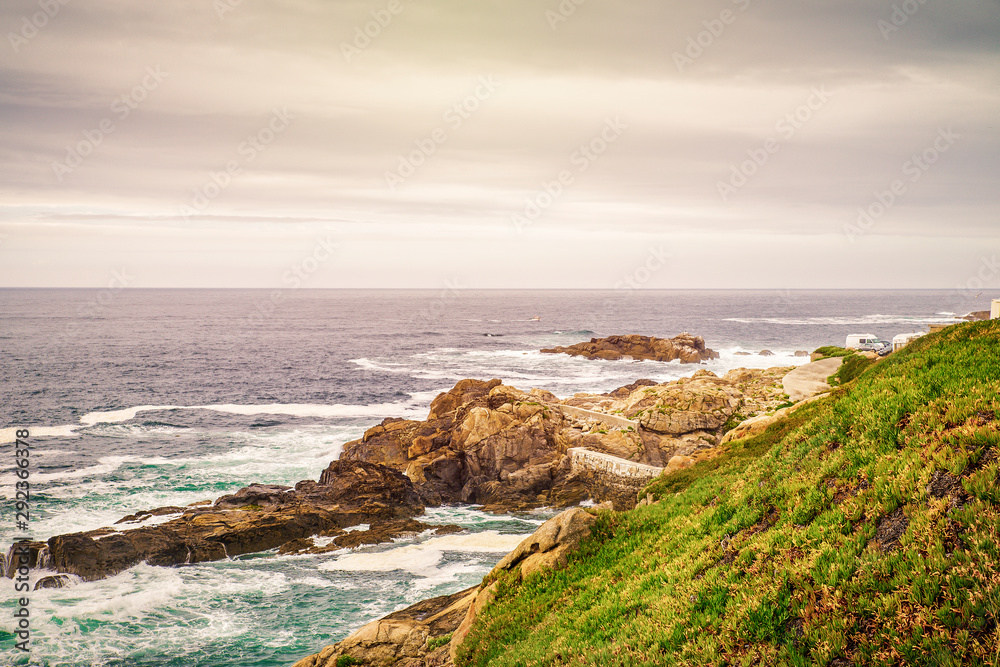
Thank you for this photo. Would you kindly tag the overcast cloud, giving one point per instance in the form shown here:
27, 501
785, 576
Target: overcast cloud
514, 143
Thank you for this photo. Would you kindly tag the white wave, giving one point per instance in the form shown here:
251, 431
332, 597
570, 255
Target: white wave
422, 559
291, 409
123, 415
845, 321
9, 435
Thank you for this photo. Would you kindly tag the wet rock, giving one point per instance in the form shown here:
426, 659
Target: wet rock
256, 518
54, 581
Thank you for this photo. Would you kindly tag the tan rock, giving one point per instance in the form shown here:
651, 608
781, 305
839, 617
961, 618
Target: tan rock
480, 424
401, 637
678, 463
547, 548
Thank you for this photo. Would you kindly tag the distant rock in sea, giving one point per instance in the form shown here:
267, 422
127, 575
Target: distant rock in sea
689, 349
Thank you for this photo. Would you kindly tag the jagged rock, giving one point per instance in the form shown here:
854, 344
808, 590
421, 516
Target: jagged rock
488, 443
402, 637
348, 493
547, 548
689, 349
690, 404
801, 353
141, 516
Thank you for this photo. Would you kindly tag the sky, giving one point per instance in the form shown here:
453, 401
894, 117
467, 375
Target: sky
500, 144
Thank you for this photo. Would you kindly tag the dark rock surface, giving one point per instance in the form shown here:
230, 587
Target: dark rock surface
256, 518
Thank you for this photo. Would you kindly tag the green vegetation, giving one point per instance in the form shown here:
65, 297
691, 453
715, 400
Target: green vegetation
863, 529
347, 661
249, 508
852, 366
437, 642
734, 420
832, 351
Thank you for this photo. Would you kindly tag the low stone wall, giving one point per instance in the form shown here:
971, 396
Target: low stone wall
621, 470
611, 420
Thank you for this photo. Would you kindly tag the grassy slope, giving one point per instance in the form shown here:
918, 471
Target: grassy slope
782, 550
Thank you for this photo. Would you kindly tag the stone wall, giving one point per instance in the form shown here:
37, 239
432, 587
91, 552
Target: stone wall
621, 470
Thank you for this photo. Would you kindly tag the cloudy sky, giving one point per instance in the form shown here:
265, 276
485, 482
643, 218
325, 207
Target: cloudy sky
500, 143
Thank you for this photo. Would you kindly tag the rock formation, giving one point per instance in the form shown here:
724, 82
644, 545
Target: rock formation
256, 518
689, 349
482, 442
427, 633
488, 443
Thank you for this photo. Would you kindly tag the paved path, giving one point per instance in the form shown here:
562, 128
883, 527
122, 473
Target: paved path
810, 379
611, 420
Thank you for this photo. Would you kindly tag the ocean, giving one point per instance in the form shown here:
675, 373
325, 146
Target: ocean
143, 398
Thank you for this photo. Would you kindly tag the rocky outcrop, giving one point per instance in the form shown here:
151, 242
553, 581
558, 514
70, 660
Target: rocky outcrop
426, 634
548, 548
491, 444
689, 349
256, 518
415, 637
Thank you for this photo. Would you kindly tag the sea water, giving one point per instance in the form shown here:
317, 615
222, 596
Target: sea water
144, 398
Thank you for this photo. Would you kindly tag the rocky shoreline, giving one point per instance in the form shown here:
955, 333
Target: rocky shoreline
482, 443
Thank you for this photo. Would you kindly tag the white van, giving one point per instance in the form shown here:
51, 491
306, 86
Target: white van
863, 342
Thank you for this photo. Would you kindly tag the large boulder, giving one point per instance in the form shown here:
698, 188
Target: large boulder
405, 637
701, 403
685, 347
546, 549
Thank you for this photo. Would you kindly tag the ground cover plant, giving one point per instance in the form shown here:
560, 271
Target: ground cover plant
864, 529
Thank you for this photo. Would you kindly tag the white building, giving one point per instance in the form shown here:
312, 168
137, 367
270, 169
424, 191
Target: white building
902, 340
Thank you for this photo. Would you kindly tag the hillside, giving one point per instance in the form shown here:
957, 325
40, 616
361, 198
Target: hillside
862, 529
